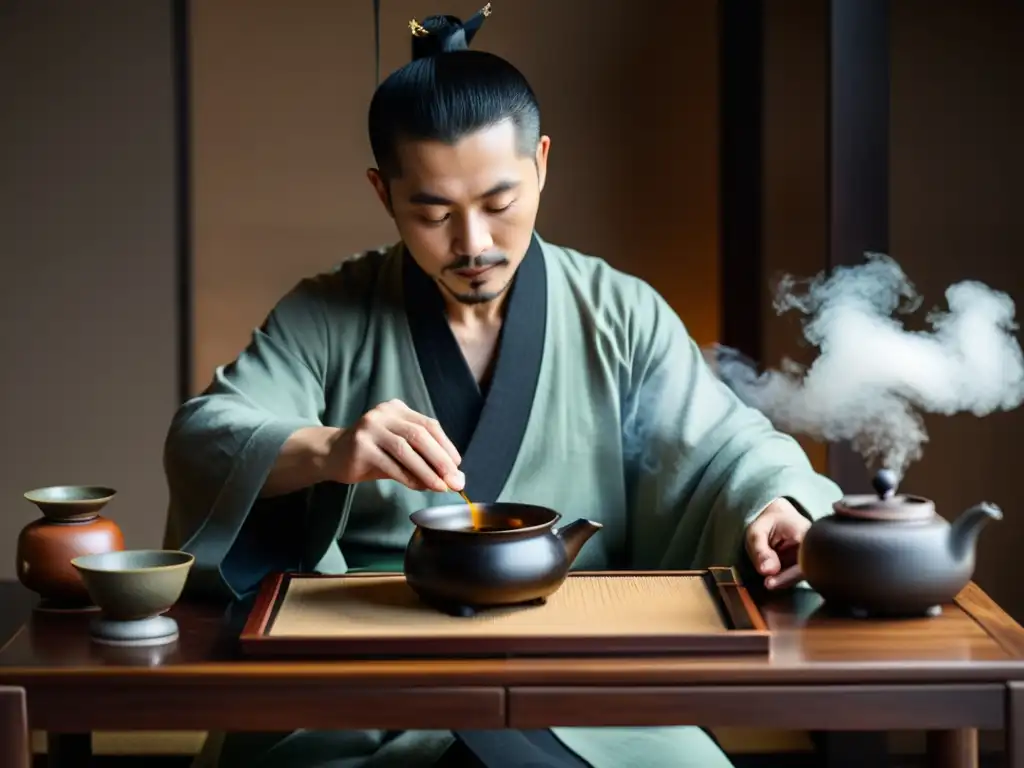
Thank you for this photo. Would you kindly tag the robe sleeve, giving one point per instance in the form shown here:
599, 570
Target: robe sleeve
222, 444
701, 464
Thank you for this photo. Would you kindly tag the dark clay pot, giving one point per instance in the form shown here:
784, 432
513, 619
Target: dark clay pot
891, 555
517, 556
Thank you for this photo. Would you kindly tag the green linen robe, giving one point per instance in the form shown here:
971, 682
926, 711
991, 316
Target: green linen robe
600, 406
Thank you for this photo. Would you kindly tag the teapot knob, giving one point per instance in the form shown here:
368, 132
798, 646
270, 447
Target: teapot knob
885, 483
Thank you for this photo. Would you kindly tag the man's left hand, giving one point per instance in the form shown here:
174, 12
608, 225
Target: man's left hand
773, 543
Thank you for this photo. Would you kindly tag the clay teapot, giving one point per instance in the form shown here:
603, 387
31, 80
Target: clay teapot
71, 525
891, 555
516, 557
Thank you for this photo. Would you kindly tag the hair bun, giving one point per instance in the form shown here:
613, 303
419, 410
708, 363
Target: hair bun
445, 33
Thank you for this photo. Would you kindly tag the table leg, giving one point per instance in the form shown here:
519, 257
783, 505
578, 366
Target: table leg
1015, 725
851, 749
68, 750
14, 746
953, 749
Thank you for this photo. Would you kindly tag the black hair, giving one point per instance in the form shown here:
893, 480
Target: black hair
448, 91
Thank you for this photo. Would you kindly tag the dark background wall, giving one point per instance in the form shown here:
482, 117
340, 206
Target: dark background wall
280, 148
957, 162
954, 211
87, 246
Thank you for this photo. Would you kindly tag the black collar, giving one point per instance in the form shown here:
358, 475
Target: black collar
486, 426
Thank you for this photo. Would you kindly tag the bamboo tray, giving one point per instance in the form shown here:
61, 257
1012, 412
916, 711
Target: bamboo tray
593, 613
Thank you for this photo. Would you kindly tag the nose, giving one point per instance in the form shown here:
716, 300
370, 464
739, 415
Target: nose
473, 237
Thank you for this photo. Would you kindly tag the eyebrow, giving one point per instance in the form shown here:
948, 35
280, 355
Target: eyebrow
428, 198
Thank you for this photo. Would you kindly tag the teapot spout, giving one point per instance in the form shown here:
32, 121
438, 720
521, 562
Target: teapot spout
963, 535
574, 535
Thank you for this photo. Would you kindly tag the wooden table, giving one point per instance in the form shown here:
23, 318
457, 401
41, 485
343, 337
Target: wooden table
961, 671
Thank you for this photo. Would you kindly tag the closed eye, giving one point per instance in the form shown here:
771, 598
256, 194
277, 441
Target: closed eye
491, 209
502, 208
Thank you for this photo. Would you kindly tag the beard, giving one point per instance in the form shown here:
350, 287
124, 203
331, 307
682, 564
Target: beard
476, 293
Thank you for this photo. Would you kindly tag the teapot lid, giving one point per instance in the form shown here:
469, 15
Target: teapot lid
886, 505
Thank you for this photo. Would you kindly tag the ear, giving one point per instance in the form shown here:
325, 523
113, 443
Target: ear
380, 186
542, 160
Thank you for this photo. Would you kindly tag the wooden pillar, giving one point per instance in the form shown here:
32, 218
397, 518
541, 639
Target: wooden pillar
183, 194
857, 187
857, 183
741, 34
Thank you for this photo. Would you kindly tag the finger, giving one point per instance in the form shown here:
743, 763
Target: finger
761, 554
406, 455
395, 471
787, 551
784, 579
433, 426
788, 531
426, 446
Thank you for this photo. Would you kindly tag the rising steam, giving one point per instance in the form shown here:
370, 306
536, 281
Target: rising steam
873, 378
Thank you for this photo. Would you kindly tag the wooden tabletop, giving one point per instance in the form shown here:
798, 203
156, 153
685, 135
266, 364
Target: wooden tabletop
972, 643
973, 640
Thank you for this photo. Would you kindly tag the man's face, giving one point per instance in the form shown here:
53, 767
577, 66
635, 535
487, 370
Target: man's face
467, 211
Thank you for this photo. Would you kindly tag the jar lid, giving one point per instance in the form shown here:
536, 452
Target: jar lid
898, 508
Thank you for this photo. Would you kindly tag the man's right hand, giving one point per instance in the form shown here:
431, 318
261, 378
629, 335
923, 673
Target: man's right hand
392, 441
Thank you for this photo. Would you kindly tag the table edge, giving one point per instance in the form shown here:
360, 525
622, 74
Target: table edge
512, 673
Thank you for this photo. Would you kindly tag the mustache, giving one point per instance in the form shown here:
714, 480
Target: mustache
477, 262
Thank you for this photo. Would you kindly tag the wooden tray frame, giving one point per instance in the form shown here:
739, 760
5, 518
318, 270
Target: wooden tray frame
748, 633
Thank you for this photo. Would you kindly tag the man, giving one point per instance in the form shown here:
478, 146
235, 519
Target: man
474, 355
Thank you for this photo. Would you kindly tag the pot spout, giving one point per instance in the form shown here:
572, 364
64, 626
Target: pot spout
574, 535
963, 534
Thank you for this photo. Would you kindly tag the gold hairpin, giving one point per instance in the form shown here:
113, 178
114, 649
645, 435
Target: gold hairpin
417, 29
486, 10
